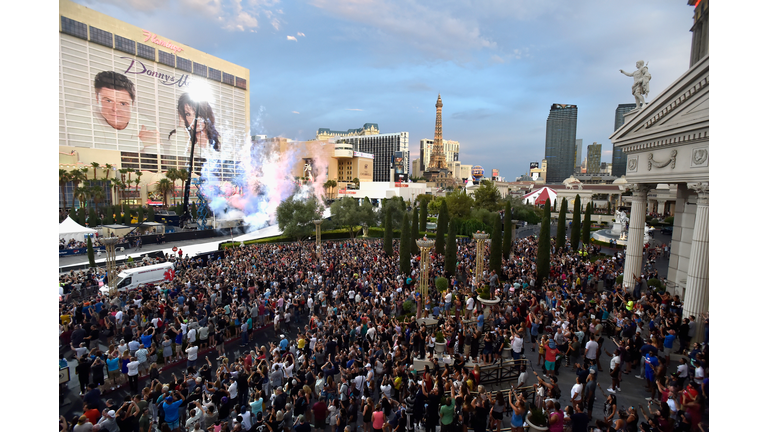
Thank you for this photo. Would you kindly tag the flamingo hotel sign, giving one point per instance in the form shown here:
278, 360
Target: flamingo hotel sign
149, 36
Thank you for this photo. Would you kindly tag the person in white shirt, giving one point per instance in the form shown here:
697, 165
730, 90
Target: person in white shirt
615, 371
133, 375
576, 391
470, 307
191, 356
590, 349
682, 371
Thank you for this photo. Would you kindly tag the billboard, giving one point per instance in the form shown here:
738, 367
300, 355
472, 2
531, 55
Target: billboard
495, 173
398, 164
534, 165
113, 100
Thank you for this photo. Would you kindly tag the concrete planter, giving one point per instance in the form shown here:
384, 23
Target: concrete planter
532, 427
439, 347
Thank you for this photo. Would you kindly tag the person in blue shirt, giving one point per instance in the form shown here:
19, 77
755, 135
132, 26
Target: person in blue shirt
171, 410
480, 320
651, 363
669, 341
283, 343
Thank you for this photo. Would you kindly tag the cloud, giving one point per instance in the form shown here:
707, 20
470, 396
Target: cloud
435, 30
233, 15
353, 109
134, 5
293, 38
300, 34
295, 112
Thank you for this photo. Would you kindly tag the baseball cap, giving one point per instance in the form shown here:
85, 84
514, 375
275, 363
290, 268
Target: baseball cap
111, 413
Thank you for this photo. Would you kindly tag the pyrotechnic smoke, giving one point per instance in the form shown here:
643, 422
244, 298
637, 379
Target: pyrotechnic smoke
262, 179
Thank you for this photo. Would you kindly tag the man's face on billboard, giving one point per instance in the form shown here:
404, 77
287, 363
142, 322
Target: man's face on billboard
115, 107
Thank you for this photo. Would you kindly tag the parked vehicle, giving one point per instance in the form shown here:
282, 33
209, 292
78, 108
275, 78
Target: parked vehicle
131, 279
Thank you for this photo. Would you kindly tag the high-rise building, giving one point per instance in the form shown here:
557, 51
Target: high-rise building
593, 158
367, 129
450, 148
383, 147
577, 160
560, 147
619, 159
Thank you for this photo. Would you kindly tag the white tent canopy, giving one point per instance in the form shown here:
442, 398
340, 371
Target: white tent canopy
70, 229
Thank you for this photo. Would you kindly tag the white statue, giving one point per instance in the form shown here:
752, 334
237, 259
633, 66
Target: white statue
569, 186
646, 234
640, 86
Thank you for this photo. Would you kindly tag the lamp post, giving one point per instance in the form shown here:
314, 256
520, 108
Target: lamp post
480, 238
318, 247
109, 245
425, 245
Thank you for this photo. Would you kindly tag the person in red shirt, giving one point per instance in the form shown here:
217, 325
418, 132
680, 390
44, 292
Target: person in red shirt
550, 357
320, 410
92, 413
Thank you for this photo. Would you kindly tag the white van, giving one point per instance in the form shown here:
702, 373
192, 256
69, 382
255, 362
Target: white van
131, 279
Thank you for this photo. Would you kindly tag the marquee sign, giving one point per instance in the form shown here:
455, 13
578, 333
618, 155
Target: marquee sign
151, 37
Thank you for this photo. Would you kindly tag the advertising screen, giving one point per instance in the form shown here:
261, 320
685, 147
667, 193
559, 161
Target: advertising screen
534, 165
398, 164
113, 100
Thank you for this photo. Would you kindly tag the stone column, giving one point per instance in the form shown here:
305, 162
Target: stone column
696, 301
513, 227
633, 263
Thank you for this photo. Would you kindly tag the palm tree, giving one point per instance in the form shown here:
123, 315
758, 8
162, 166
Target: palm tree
130, 171
184, 177
95, 166
356, 181
333, 185
107, 169
97, 194
64, 178
77, 176
81, 194
172, 174
163, 187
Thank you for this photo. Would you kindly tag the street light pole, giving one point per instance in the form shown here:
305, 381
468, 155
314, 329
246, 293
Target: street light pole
425, 245
480, 239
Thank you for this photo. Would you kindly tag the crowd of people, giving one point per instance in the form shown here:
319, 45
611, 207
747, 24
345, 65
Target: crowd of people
75, 244
352, 361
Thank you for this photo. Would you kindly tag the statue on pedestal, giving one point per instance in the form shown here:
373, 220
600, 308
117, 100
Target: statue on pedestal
640, 86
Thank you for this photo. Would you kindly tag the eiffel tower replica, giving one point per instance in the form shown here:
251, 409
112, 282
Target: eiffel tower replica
437, 171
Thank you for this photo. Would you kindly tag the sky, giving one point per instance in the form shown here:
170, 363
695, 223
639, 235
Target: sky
498, 64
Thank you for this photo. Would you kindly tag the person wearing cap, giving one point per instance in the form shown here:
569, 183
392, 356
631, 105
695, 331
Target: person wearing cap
171, 409
107, 421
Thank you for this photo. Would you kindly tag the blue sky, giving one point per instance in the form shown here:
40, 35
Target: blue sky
499, 64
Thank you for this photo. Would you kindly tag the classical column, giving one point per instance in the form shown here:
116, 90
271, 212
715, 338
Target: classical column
109, 244
425, 245
513, 227
696, 301
318, 244
480, 239
633, 263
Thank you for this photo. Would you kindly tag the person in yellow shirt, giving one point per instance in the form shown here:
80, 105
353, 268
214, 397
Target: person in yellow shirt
301, 342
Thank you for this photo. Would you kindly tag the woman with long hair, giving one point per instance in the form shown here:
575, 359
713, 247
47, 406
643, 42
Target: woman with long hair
367, 415
190, 110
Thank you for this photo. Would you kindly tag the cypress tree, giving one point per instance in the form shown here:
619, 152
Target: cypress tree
576, 224
91, 258
494, 261
108, 218
423, 214
586, 226
151, 214
561, 224
442, 225
73, 213
415, 230
506, 245
81, 216
405, 246
140, 215
93, 218
387, 246
450, 249
542, 255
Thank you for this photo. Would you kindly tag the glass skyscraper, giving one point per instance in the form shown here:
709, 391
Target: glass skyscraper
560, 150
619, 159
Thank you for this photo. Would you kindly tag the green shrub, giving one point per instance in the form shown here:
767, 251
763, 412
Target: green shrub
619, 279
439, 338
441, 284
539, 418
484, 293
409, 307
670, 220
